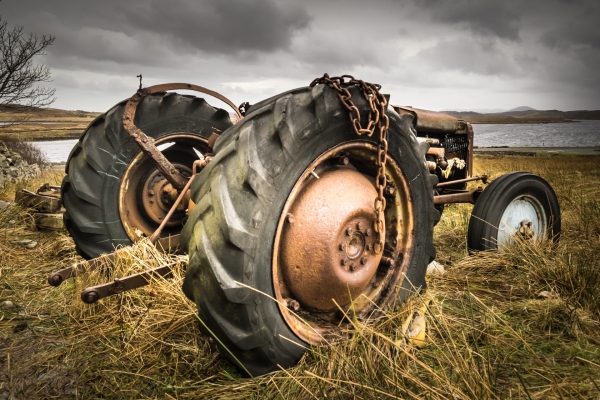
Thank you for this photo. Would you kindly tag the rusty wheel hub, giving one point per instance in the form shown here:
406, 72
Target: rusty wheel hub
324, 262
146, 196
327, 249
158, 195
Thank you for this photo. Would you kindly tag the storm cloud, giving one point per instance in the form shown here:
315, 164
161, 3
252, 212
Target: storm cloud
437, 54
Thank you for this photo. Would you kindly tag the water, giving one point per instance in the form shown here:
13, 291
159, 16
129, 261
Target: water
571, 134
57, 150
568, 134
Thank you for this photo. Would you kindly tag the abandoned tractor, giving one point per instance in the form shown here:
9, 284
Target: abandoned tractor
313, 203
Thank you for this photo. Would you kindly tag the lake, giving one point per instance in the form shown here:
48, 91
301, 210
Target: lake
569, 134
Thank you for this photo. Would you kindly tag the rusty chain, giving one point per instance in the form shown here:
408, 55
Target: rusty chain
377, 119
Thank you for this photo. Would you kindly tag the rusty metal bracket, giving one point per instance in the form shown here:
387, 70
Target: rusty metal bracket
467, 196
146, 143
92, 294
83, 267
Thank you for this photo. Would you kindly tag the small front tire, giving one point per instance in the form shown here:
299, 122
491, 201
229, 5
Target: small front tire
516, 204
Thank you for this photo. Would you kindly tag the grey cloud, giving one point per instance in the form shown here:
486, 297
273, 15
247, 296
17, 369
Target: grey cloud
488, 18
467, 56
221, 26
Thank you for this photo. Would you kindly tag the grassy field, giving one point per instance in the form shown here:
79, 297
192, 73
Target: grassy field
57, 124
524, 324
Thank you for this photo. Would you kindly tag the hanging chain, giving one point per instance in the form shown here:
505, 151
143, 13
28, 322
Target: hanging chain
377, 119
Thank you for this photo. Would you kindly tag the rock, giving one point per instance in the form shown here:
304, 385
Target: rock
435, 268
27, 243
7, 304
4, 204
49, 221
544, 294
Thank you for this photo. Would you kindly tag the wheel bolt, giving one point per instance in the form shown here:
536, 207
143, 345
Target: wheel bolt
349, 231
359, 225
352, 267
343, 261
368, 232
369, 247
390, 191
342, 247
151, 193
292, 304
363, 260
344, 160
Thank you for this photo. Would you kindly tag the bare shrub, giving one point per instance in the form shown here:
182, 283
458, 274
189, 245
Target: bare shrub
28, 151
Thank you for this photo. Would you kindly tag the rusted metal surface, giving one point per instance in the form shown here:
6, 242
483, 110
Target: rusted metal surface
92, 294
482, 178
58, 277
469, 196
197, 166
471, 137
319, 232
146, 143
146, 196
379, 120
437, 152
432, 121
333, 222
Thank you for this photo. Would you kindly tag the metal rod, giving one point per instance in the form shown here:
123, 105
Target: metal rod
197, 164
470, 196
92, 294
482, 178
83, 267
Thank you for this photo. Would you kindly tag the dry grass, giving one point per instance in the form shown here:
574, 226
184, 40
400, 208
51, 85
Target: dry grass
491, 335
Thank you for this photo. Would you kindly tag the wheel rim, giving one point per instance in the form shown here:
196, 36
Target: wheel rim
524, 217
323, 260
145, 196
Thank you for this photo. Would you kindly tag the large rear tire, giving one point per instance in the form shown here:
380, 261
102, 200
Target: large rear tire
104, 210
236, 234
518, 203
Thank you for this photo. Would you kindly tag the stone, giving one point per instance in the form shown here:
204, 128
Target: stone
27, 243
45, 221
4, 204
7, 304
435, 268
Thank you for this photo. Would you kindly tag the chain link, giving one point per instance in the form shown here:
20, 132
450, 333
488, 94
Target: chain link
377, 120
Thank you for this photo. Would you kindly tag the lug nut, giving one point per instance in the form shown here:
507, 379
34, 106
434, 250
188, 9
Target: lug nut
390, 191
369, 247
292, 304
363, 260
344, 160
359, 225
387, 261
342, 247
352, 267
349, 231
289, 218
343, 262
151, 193
368, 232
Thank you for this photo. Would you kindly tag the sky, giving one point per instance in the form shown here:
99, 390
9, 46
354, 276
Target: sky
432, 54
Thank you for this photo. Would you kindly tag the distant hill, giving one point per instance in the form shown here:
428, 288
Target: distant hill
525, 116
522, 108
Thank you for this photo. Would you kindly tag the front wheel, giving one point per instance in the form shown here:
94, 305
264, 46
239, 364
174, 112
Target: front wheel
516, 204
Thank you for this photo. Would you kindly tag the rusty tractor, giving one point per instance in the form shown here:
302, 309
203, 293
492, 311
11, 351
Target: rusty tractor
295, 211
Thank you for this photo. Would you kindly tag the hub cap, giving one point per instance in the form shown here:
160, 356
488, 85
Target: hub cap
324, 264
327, 249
